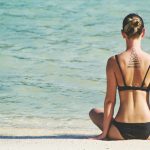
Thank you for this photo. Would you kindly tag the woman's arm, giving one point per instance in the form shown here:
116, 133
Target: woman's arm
110, 98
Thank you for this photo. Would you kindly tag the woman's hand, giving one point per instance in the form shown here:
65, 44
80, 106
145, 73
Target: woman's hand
102, 136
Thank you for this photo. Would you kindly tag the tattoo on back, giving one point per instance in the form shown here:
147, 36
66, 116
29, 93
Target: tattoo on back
134, 60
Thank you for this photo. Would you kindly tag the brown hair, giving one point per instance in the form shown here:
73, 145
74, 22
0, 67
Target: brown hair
133, 25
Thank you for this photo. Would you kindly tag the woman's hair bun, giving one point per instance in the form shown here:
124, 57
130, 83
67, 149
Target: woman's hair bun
135, 22
133, 25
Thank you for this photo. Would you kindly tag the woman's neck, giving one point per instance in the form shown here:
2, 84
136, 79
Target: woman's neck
133, 44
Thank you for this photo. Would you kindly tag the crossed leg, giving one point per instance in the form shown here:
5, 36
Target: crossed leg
97, 117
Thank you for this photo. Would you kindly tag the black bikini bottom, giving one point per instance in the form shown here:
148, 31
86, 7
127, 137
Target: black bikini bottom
133, 130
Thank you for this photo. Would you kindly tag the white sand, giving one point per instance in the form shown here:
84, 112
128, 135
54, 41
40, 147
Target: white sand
72, 144
36, 139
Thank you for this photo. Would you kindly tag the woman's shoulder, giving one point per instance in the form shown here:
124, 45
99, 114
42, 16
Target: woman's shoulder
121, 57
147, 55
111, 61
146, 59
112, 58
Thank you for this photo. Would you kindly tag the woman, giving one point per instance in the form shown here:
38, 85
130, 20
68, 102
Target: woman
130, 72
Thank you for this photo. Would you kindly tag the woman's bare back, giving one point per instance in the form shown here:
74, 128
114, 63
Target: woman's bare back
134, 104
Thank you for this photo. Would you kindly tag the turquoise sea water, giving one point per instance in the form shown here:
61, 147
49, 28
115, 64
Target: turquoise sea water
52, 59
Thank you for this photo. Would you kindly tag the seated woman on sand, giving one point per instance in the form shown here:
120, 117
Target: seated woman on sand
130, 72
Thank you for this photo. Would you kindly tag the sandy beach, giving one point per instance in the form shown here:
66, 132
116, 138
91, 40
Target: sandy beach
36, 139
72, 144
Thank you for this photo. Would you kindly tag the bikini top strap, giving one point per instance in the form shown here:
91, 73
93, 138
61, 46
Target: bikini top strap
145, 76
120, 69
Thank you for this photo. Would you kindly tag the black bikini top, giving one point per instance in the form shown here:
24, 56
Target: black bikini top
126, 87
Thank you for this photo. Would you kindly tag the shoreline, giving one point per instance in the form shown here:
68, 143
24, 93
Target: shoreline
40, 132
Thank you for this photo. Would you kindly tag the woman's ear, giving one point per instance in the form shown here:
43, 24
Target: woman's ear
123, 34
143, 33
